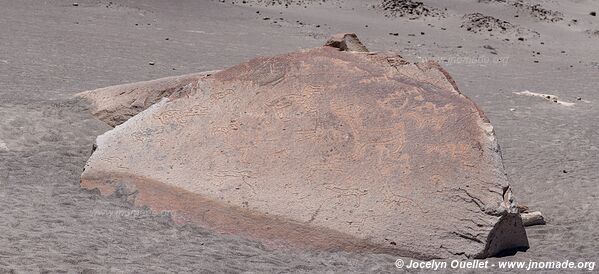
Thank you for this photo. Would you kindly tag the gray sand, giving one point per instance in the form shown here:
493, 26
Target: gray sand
49, 50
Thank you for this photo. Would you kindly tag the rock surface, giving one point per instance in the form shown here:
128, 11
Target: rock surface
116, 104
322, 149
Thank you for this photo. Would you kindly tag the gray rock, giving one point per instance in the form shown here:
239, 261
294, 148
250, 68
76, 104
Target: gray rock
532, 218
346, 42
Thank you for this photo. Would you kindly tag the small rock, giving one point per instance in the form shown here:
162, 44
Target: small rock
3, 146
532, 218
151, 63
167, 38
75, 4
578, 98
346, 42
593, 13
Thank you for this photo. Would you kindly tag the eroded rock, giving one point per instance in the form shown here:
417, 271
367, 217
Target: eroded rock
116, 104
321, 148
346, 42
532, 218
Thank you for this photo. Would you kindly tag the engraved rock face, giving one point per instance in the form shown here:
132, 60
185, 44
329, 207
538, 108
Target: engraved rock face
323, 149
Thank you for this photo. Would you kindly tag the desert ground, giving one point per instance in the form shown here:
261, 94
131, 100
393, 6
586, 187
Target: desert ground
501, 54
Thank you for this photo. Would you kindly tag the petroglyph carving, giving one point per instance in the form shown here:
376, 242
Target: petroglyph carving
322, 149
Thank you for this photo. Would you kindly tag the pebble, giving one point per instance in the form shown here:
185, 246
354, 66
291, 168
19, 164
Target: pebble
3, 146
151, 63
593, 13
75, 4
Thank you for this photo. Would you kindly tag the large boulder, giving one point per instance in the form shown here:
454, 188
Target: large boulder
321, 148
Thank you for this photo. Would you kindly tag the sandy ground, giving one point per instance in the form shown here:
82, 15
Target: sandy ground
51, 49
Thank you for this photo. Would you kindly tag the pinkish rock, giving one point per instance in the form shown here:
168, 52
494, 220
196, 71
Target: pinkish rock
326, 149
